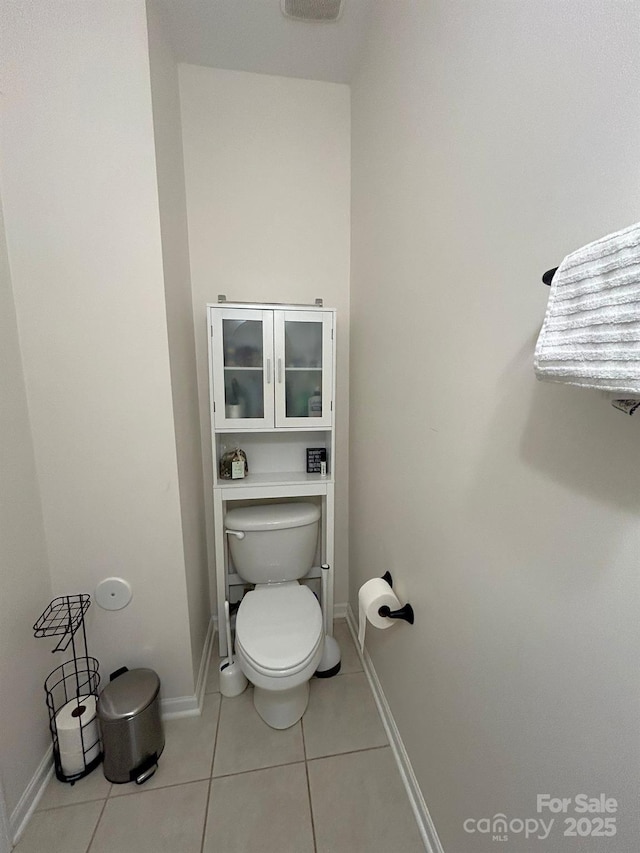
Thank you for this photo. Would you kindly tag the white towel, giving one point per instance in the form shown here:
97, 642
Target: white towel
591, 331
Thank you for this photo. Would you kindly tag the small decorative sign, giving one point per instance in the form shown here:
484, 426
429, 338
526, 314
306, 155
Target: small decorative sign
316, 460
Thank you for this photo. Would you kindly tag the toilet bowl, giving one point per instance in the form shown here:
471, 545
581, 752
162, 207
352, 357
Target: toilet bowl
279, 644
279, 630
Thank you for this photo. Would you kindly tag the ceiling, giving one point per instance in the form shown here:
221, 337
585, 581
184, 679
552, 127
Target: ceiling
254, 35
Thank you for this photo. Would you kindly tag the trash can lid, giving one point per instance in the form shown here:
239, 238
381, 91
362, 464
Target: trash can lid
128, 694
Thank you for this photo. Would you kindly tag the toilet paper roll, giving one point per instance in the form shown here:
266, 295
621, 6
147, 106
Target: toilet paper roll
77, 726
373, 595
75, 762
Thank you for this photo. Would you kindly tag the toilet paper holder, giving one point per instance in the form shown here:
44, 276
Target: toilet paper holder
405, 612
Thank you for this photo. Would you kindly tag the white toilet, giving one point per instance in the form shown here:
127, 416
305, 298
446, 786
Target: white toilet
279, 629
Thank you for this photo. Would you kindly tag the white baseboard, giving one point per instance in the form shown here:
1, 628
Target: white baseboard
191, 706
340, 611
30, 798
205, 659
179, 706
423, 818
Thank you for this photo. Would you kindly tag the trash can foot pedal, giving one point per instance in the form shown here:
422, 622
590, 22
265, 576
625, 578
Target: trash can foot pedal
146, 774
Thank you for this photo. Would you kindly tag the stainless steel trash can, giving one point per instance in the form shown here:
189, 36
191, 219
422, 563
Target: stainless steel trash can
130, 724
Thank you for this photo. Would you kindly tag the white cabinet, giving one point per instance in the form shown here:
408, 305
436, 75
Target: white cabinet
272, 379
271, 368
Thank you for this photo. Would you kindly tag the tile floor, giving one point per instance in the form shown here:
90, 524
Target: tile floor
227, 783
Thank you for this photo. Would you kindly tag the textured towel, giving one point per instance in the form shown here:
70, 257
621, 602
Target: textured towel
591, 331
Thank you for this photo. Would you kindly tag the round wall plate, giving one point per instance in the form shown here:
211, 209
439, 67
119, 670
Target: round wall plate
113, 593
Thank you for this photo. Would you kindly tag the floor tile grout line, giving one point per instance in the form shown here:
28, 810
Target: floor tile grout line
213, 758
215, 738
304, 743
95, 828
349, 752
140, 790
306, 773
68, 805
206, 815
313, 823
258, 769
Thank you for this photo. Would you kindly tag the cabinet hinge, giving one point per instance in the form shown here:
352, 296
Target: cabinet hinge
332, 333
214, 407
332, 405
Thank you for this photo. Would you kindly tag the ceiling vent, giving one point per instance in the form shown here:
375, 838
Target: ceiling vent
312, 10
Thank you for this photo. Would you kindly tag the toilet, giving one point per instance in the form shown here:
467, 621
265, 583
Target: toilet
279, 627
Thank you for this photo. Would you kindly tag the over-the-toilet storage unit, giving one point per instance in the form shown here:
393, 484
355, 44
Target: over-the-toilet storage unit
268, 365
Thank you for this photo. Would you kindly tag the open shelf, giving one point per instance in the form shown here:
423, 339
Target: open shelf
63, 616
275, 459
276, 478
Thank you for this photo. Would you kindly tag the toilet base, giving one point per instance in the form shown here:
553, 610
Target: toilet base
281, 709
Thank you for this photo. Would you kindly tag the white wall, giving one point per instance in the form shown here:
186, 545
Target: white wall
24, 574
267, 176
490, 139
5, 837
182, 354
83, 232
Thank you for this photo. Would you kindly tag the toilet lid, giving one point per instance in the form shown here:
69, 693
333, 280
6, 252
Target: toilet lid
278, 626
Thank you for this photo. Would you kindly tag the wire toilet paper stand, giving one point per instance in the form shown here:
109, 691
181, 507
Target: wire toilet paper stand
71, 689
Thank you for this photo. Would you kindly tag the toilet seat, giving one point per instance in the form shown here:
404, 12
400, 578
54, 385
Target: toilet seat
279, 628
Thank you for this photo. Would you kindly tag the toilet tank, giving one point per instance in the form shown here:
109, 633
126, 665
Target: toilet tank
273, 542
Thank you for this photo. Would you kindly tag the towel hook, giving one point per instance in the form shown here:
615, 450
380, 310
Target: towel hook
547, 277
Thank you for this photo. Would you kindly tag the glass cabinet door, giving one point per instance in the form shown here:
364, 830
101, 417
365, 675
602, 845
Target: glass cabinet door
304, 369
242, 342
